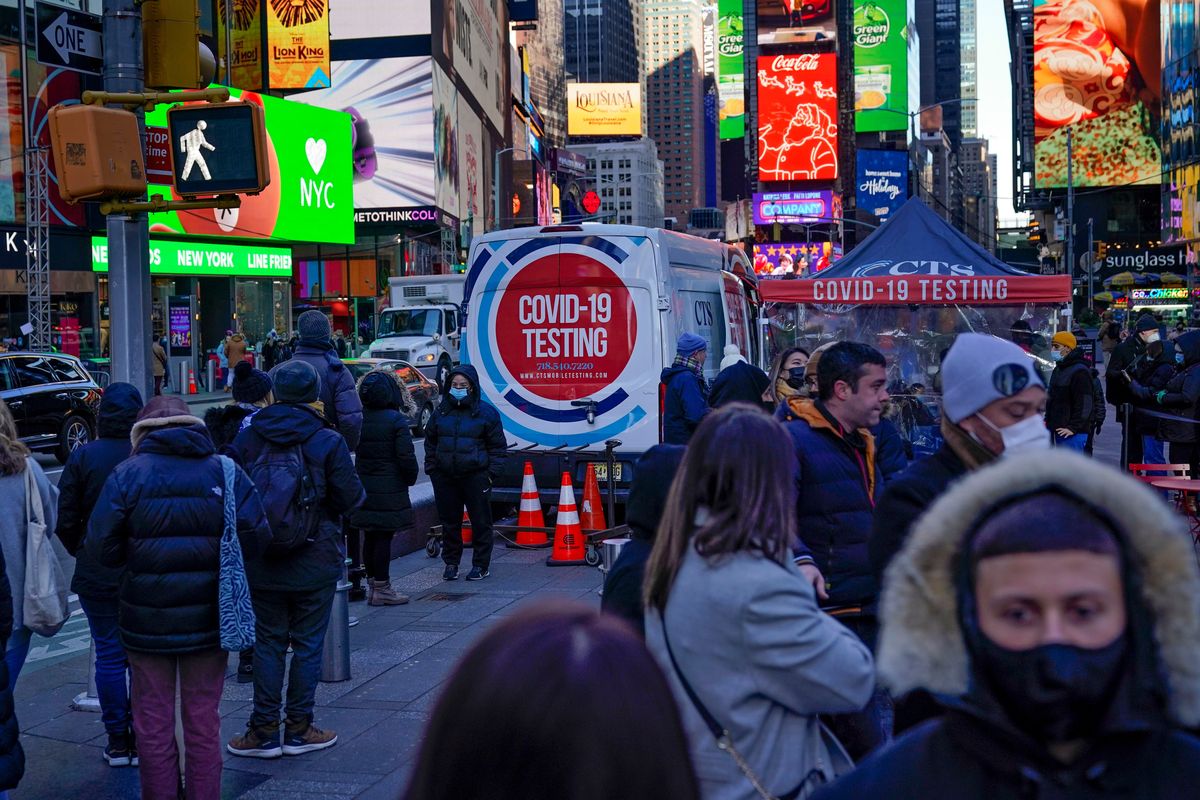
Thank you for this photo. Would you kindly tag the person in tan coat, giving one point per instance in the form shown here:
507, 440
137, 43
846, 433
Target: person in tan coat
158, 362
235, 352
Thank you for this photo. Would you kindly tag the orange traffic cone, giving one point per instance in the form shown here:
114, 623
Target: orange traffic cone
592, 516
467, 536
191, 381
530, 523
568, 538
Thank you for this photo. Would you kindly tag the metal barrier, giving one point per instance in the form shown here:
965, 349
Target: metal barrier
210, 373
335, 658
89, 700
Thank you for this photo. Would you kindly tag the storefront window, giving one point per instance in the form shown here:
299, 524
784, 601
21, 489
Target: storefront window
255, 306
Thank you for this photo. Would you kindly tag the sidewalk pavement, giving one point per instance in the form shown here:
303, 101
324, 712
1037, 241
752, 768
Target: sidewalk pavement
400, 657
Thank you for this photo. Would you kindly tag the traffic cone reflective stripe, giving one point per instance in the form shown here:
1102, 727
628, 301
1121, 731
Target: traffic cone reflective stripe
568, 538
592, 518
468, 537
530, 523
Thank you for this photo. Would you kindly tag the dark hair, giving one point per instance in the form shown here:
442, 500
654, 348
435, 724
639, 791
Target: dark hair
558, 702
732, 493
844, 362
777, 365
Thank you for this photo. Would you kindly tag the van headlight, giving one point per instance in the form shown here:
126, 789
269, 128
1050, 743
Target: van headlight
425, 359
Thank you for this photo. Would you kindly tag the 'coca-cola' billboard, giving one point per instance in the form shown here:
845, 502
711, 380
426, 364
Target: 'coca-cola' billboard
797, 117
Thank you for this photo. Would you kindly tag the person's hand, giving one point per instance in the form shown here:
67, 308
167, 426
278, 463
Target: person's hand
1065, 433
814, 576
1139, 391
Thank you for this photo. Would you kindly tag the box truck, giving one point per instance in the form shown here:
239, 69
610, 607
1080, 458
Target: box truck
421, 324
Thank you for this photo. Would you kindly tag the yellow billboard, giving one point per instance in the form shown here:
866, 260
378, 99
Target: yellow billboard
604, 109
298, 44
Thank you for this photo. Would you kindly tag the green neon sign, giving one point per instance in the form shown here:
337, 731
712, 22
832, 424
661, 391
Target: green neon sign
206, 258
311, 195
880, 65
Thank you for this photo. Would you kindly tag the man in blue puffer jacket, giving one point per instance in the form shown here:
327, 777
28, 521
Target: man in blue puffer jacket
685, 392
464, 450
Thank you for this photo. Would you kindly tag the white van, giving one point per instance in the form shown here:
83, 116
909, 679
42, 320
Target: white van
569, 327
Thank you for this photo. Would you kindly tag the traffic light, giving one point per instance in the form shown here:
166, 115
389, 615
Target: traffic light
97, 152
218, 148
171, 44
1101, 251
1036, 234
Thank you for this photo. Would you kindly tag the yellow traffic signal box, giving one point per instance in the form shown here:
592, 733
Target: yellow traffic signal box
97, 152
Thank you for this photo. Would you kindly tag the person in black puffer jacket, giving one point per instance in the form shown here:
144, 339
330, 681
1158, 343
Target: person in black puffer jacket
1180, 398
386, 463
339, 398
1069, 410
160, 517
251, 393
79, 487
464, 450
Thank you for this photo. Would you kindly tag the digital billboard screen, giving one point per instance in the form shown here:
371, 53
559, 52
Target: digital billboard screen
731, 66
880, 65
795, 21
604, 109
797, 117
1084, 81
298, 44
794, 259
793, 207
882, 181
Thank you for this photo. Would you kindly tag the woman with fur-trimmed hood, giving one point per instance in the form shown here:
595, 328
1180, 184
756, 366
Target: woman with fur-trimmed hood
1052, 605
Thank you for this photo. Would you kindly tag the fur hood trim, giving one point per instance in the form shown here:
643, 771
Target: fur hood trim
921, 643
142, 428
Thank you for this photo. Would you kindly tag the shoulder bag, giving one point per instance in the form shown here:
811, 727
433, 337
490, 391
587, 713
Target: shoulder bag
44, 606
233, 589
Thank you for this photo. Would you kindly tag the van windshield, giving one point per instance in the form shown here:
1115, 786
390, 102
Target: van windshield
410, 322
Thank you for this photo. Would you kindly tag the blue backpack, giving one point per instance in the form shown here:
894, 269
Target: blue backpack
289, 497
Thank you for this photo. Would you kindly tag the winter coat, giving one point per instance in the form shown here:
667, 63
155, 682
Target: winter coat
225, 422
837, 489
1154, 374
739, 383
975, 751
318, 563
235, 349
1182, 394
466, 438
160, 518
890, 456
1069, 404
81, 481
764, 660
13, 537
158, 360
338, 392
1126, 357
385, 460
685, 402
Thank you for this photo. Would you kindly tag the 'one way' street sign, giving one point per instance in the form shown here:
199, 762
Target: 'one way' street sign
70, 39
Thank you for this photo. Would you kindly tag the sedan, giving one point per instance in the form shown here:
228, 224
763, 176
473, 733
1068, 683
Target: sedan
423, 391
53, 399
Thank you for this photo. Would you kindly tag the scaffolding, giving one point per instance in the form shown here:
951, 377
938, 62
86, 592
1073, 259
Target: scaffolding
37, 240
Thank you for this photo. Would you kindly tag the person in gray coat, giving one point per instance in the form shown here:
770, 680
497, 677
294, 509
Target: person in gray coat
735, 625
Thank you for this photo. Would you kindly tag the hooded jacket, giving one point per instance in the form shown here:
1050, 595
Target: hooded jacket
975, 751
235, 349
81, 481
318, 563
837, 489
1182, 394
685, 402
1069, 404
338, 392
739, 383
464, 438
224, 423
385, 460
160, 518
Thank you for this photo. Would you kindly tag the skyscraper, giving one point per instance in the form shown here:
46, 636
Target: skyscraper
979, 191
938, 24
969, 64
600, 40
547, 83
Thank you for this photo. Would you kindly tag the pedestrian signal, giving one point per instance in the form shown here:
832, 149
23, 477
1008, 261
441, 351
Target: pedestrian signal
171, 44
97, 152
218, 148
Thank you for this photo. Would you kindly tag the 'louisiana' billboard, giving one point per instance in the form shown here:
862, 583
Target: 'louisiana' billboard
604, 109
1084, 82
797, 117
880, 65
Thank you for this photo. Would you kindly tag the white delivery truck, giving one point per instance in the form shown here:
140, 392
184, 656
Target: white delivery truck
569, 327
421, 325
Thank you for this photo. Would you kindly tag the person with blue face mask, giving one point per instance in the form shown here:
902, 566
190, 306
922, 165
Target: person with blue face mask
1070, 404
464, 450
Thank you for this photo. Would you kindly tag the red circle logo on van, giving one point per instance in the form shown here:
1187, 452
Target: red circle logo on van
566, 327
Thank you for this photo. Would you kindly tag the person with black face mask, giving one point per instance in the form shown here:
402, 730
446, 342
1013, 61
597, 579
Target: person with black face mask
786, 377
1050, 604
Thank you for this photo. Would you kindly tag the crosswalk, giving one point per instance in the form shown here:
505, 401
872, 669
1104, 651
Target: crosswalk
73, 638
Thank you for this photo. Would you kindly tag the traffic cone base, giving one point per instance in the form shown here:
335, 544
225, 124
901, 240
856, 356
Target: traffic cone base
569, 545
468, 537
592, 517
531, 525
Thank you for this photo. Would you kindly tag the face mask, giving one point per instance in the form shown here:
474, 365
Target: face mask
795, 378
1179, 358
459, 394
1151, 338
1027, 436
1056, 692
1057, 355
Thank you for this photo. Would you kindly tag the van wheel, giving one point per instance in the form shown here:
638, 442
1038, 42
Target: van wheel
75, 433
443, 374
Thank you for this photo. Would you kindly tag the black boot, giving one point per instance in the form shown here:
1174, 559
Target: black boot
357, 592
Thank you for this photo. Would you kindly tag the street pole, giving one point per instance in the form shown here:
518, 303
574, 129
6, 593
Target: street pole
1070, 204
496, 190
1091, 290
128, 234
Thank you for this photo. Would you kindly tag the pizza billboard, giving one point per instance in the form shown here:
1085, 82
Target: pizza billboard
797, 117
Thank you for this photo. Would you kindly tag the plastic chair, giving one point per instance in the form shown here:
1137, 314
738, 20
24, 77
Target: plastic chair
1141, 471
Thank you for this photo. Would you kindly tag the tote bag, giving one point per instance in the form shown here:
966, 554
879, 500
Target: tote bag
233, 589
44, 607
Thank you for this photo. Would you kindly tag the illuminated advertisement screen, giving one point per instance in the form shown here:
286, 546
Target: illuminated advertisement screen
604, 109
172, 257
298, 44
795, 21
882, 181
731, 65
1085, 81
880, 65
797, 117
245, 36
794, 259
792, 207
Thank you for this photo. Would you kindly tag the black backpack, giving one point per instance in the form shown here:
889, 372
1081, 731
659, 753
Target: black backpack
289, 497
1099, 412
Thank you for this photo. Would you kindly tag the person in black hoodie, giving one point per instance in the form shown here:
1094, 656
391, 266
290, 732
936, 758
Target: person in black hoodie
1070, 404
1180, 398
251, 394
292, 590
738, 382
386, 463
160, 518
464, 450
97, 585
647, 500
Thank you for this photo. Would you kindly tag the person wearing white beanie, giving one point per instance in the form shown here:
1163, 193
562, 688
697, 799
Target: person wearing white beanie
738, 381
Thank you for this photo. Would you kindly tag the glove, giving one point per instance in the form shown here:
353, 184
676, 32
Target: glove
1139, 391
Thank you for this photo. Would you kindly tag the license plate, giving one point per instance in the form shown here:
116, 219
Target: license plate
602, 472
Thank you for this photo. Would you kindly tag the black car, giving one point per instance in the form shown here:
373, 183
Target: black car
53, 400
423, 391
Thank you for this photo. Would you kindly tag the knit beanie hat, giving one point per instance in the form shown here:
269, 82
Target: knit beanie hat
249, 384
732, 356
1048, 521
296, 382
980, 370
1146, 322
690, 343
1066, 339
314, 325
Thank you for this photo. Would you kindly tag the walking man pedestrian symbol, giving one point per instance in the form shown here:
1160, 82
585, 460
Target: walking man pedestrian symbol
192, 143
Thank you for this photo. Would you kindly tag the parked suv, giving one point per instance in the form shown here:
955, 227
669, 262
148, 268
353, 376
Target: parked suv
53, 399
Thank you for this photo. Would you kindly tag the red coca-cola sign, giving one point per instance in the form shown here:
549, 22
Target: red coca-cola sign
797, 117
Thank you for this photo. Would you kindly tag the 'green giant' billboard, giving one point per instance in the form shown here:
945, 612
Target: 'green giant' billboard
310, 197
880, 65
731, 66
